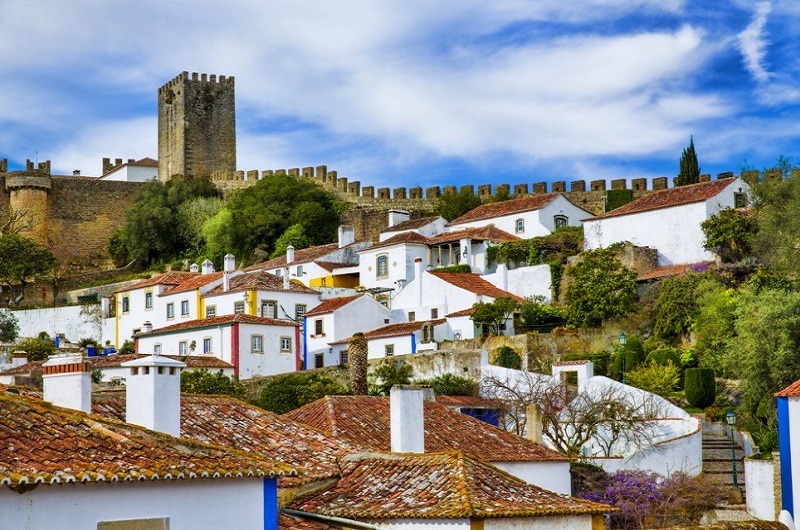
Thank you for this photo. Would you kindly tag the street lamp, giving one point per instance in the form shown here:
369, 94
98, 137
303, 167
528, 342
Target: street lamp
622, 340
735, 496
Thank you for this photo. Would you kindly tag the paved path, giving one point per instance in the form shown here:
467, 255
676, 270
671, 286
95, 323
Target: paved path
717, 466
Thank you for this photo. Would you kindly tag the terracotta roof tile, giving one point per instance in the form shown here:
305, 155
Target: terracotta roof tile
259, 280
500, 209
397, 330
330, 266
227, 422
485, 233
474, 284
366, 420
411, 238
191, 284
668, 198
792, 390
167, 278
116, 360
447, 485
466, 402
40, 442
146, 161
412, 224
23, 369
332, 304
463, 313
293, 522
303, 255
220, 320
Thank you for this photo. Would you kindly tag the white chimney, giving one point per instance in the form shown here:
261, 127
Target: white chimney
147, 327
407, 419
194, 267
289, 254
287, 281
226, 284
502, 276
347, 235
153, 393
418, 278
533, 423
18, 358
208, 267
229, 263
398, 216
67, 382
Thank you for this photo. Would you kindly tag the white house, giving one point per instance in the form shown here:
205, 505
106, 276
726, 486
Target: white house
390, 263
526, 217
334, 321
467, 246
400, 221
131, 171
403, 338
253, 345
668, 220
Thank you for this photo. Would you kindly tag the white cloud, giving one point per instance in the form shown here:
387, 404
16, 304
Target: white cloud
752, 43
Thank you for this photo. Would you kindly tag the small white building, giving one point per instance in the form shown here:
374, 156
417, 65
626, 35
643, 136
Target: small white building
255, 346
526, 217
334, 321
131, 171
400, 221
668, 220
403, 338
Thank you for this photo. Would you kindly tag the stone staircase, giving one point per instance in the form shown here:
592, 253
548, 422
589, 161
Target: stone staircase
718, 468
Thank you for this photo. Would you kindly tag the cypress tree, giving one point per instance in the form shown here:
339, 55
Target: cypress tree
689, 170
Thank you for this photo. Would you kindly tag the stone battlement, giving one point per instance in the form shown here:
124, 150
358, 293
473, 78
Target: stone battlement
203, 78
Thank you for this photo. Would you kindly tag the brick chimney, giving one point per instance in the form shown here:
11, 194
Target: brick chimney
67, 382
153, 393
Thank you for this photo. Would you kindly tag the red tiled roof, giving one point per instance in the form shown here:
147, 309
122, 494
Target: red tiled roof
220, 320
293, 522
409, 238
303, 255
670, 197
463, 313
366, 420
115, 360
146, 161
227, 422
396, 330
792, 390
446, 485
474, 284
259, 280
674, 270
193, 283
332, 304
23, 369
500, 209
330, 266
166, 278
40, 442
412, 224
485, 233
466, 402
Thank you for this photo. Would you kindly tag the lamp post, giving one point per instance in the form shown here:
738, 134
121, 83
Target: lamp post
622, 340
735, 495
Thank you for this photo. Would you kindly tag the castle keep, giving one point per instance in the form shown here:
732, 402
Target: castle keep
196, 126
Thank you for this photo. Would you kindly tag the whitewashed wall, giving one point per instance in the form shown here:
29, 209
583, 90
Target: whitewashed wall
400, 261
75, 322
537, 222
552, 522
535, 280
189, 504
760, 488
553, 476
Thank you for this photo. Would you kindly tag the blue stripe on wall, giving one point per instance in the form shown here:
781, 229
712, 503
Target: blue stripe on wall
413, 343
270, 504
784, 446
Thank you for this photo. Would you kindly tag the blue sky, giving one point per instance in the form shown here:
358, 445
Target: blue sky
413, 92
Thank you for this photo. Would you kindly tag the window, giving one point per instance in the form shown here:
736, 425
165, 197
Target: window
207, 345
383, 300
427, 332
126, 304
148, 300
299, 311
182, 348
412, 316
156, 349
435, 312
269, 309
739, 200
560, 221
318, 330
519, 226
343, 358
389, 350
257, 343
238, 307
171, 310
278, 272
184, 308
319, 361
211, 311
286, 344
382, 266
299, 270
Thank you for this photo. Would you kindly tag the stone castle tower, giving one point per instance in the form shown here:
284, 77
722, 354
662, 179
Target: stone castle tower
29, 191
196, 126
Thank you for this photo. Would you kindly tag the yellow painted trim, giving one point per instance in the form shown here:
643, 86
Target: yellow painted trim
251, 303
200, 305
116, 322
477, 524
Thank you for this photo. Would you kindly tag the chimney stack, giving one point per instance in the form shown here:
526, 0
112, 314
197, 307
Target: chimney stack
230, 263
347, 235
502, 276
67, 382
194, 267
533, 424
153, 393
398, 216
418, 278
147, 327
289, 254
407, 419
208, 267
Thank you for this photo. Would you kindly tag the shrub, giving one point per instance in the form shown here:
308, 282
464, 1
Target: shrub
655, 378
455, 268
664, 356
700, 387
288, 391
9, 327
506, 357
634, 355
127, 348
388, 374
600, 360
203, 381
38, 348
451, 385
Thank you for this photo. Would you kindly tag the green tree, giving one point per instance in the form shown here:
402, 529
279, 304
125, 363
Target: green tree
729, 234
493, 314
655, 378
777, 242
507, 357
599, 287
218, 234
689, 170
287, 392
22, 260
676, 307
713, 326
38, 348
452, 205
9, 327
535, 311
203, 381
389, 373
192, 216
261, 213
295, 236
451, 385
128, 348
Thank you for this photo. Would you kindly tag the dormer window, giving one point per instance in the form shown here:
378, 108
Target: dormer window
519, 226
560, 221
